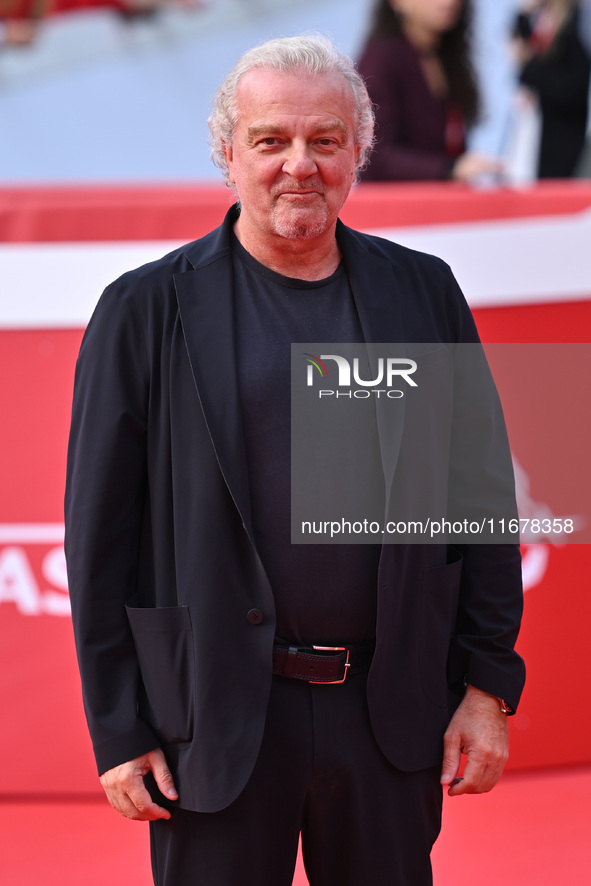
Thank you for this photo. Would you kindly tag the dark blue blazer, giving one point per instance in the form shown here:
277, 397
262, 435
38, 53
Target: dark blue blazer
162, 564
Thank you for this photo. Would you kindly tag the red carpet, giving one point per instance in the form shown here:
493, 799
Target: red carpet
533, 829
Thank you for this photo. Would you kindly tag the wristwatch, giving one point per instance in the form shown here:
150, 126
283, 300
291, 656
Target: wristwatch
505, 708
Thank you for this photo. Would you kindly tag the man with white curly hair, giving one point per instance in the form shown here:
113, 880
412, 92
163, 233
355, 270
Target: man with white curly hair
301, 204
240, 689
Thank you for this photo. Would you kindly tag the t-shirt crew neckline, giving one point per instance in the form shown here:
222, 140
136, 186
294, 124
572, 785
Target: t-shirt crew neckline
275, 276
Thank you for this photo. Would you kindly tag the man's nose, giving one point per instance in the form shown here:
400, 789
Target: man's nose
299, 162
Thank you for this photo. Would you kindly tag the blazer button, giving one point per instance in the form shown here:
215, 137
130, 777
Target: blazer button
254, 616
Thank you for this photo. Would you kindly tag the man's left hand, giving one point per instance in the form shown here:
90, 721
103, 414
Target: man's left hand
479, 730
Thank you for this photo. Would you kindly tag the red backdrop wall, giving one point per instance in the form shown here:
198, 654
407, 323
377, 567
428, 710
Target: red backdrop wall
43, 736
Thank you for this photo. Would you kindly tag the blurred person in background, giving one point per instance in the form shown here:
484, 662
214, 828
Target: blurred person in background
18, 22
584, 167
17, 32
555, 69
19, 19
419, 74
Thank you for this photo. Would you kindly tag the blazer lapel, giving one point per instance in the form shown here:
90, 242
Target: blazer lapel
205, 300
378, 301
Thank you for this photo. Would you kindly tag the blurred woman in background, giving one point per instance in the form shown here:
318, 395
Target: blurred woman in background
555, 68
419, 74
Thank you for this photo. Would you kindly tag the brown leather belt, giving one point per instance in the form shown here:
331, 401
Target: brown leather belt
322, 664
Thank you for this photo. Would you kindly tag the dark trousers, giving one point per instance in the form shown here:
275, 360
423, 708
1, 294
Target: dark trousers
363, 822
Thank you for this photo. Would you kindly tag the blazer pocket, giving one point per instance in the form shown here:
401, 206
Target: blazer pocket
163, 640
439, 603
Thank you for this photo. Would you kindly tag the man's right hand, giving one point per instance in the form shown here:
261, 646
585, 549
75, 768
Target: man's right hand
127, 793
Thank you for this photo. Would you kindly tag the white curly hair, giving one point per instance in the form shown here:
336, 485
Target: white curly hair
314, 55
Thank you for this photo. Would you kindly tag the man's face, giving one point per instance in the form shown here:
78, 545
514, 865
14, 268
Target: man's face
293, 156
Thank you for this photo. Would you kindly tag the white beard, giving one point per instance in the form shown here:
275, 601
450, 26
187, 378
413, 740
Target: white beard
293, 225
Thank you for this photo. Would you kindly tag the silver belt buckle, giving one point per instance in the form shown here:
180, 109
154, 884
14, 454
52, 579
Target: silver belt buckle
347, 665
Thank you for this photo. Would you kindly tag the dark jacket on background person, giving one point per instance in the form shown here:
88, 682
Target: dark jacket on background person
418, 136
560, 79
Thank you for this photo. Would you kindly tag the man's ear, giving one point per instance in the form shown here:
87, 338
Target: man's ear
228, 153
358, 163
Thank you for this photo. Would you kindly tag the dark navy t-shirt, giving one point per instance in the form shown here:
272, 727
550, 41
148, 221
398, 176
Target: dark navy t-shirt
324, 593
